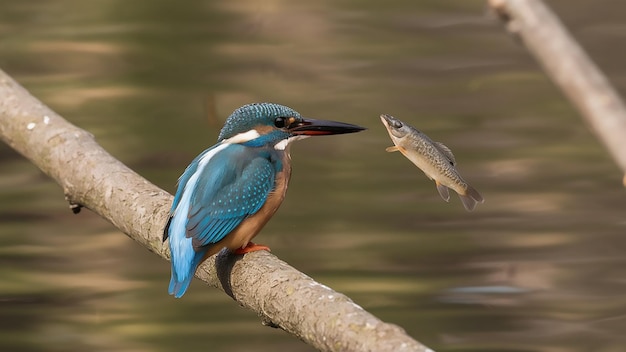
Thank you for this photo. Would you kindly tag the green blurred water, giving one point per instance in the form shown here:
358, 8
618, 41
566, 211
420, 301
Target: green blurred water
537, 267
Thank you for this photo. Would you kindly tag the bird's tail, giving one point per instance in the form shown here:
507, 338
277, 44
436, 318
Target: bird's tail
179, 283
470, 198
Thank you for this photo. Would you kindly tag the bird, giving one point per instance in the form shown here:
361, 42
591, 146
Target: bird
230, 190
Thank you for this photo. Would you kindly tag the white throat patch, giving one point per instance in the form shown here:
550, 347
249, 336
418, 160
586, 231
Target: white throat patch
282, 145
243, 137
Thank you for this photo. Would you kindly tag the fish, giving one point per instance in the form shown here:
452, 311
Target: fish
433, 158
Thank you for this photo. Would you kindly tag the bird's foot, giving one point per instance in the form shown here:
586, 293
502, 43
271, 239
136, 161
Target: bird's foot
252, 247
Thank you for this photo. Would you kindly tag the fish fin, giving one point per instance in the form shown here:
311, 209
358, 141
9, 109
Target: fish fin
443, 191
446, 151
471, 198
392, 149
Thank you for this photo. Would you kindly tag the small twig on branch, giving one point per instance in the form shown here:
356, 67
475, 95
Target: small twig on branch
281, 295
571, 70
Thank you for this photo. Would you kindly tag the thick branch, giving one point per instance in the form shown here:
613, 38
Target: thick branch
570, 68
281, 295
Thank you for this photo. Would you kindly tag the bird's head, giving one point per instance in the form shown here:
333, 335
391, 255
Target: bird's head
263, 124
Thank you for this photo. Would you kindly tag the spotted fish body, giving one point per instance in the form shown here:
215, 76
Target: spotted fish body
433, 158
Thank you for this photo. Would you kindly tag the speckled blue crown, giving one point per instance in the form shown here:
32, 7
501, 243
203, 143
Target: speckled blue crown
249, 116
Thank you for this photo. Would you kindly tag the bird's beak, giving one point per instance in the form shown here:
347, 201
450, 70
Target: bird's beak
312, 127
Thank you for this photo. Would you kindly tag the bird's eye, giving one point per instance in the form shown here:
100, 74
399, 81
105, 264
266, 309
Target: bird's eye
397, 124
280, 122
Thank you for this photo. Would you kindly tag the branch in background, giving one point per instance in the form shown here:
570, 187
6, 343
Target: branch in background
570, 68
282, 296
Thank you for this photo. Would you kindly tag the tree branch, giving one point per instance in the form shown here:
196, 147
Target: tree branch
571, 70
282, 296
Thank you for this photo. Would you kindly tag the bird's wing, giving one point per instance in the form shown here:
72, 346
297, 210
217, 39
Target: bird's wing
184, 178
230, 188
182, 181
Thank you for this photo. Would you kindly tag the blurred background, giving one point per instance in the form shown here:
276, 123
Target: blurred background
538, 267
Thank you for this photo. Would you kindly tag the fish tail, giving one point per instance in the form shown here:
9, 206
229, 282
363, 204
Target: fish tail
470, 198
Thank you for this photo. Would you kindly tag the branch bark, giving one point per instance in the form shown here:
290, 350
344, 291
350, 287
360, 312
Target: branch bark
570, 69
282, 296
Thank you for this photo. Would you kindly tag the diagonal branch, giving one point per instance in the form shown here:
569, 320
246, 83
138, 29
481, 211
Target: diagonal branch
282, 296
570, 69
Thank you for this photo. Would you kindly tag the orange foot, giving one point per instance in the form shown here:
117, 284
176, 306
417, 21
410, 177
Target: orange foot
252, 247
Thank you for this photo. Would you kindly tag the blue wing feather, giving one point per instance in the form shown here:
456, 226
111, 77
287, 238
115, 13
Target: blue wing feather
216, 211
182, 181
184, 178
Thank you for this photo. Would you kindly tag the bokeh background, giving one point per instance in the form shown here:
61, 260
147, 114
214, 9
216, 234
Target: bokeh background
538, 267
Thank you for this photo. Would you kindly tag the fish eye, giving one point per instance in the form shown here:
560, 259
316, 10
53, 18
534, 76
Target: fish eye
280, 122
396, 124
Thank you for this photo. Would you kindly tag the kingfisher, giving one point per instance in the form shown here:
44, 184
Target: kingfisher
231, 190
